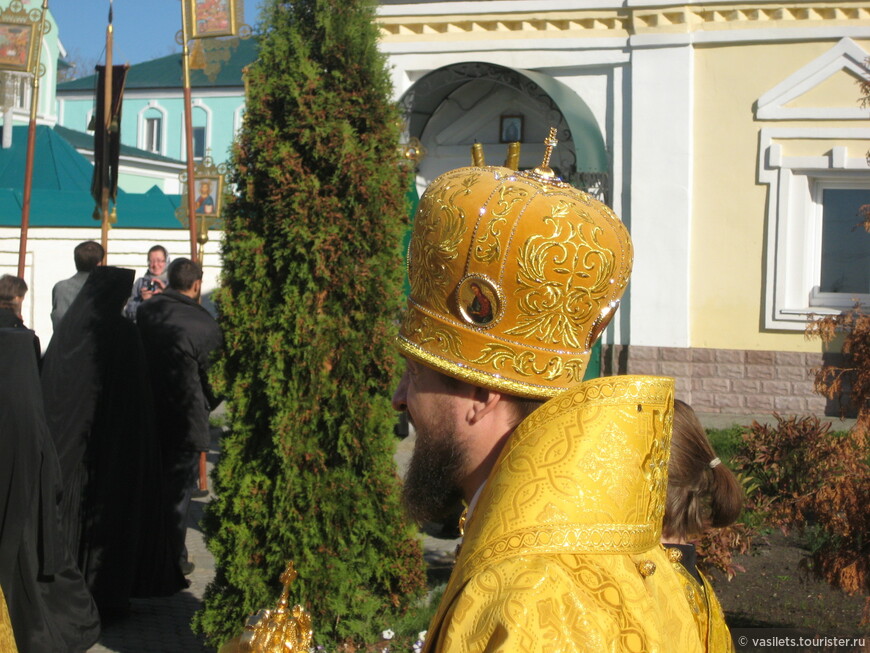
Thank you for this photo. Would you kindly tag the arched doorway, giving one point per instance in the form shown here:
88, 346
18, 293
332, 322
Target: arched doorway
451, 108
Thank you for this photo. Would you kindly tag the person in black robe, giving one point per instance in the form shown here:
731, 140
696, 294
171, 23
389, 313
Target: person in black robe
12, 291
99, 410
49, 604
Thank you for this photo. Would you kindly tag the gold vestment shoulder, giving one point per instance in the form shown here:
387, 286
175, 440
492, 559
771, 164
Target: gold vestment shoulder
562, 550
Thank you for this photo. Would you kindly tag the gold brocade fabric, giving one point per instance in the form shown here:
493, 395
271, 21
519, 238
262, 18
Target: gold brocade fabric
568, 519
709, 618
7, 637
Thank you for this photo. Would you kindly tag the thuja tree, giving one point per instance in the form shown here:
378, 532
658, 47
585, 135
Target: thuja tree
310, 292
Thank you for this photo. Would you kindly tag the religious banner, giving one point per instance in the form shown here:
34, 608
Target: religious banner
210, 189
19, 37
210, 18
107, 136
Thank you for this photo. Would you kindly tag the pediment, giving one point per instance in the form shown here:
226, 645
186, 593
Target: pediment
824, 89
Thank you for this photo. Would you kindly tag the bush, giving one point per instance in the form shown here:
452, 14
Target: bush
815, 482
310, 293
841, 507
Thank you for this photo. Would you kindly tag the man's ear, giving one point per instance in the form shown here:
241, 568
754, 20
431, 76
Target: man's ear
483, 403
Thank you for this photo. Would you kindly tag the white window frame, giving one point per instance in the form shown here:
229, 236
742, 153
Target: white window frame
150, 143
835, 300
209, 121
794, 222
141, 131
204, 129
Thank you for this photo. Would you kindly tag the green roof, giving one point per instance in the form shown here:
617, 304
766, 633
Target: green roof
57, 165
166, 72
60, 193
84, 141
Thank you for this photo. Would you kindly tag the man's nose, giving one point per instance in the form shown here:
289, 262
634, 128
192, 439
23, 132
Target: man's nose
400, 396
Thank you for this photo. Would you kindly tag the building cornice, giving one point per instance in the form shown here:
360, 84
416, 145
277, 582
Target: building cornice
622, 22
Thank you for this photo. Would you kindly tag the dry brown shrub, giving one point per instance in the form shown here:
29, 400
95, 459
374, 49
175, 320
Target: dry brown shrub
839, 503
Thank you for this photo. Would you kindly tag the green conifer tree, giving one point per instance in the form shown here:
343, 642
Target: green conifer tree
311, 288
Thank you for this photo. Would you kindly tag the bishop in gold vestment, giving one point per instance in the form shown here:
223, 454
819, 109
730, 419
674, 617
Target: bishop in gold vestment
565, 479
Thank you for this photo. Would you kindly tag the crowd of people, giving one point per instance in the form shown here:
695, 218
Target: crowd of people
101, 438
581, 498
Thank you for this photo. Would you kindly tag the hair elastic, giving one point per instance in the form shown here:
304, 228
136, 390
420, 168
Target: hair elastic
713, 463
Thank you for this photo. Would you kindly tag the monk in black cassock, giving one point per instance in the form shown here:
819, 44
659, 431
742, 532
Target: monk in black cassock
99, 409
49, 604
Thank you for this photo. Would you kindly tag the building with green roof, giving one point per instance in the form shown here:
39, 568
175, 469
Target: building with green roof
153, 112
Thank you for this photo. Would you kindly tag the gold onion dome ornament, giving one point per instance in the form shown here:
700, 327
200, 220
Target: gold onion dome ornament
513, 275
282, 630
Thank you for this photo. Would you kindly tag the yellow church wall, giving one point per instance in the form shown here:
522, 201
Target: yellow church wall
728, 265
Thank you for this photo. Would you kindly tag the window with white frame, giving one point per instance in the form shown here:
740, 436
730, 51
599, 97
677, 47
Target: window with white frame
152, 125
16, 89
153, 133
843, 243
818, 254
200, 133
23, 91
198, 143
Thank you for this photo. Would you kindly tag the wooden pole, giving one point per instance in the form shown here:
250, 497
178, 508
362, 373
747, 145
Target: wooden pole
31, 145
188, 133
203, 474
107, 113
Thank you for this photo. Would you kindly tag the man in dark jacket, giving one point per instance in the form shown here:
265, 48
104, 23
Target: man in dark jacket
179, 337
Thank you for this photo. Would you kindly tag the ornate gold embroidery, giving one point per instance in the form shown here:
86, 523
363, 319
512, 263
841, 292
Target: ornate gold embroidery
524, 363
656, 470
508, 197
578, 272
435, 242
424, 331
567, 538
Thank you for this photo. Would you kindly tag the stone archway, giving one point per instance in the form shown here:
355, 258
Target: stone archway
452, 107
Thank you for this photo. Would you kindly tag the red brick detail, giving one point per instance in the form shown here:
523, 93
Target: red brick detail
760, 357
790, 358
676, 369
729, 402
746, 386
759, 403
786, 373
731, 371
703, 355
729, 356
643, 367
790, 405
776, 388
676, 354
642, 354
760, 372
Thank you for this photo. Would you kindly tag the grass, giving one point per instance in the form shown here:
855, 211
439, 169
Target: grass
727, 442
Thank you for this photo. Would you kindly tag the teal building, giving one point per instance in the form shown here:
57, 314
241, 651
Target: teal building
152, 119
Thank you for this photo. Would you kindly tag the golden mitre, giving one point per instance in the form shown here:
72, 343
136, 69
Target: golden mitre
513, 275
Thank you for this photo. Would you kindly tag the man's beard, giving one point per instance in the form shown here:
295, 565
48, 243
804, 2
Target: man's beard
431, 491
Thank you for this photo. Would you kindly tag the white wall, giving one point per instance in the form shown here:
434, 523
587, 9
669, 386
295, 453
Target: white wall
661, 195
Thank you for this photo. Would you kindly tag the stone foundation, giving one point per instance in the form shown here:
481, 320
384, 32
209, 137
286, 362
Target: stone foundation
729, 380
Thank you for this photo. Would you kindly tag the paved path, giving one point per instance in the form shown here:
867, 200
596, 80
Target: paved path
163, 625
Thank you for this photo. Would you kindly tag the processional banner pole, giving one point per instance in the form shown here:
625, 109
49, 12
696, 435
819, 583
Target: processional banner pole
107, 114
188, 132
31, 145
